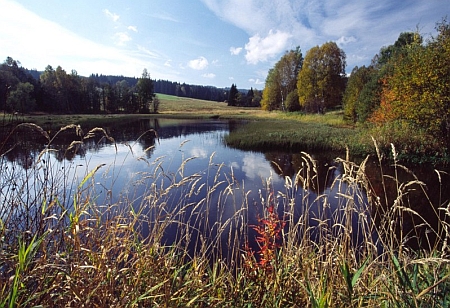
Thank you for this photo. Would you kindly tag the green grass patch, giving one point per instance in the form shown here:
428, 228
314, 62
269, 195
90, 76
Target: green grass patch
288, 135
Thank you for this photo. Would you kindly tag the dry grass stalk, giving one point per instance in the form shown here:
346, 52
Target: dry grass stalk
341, 247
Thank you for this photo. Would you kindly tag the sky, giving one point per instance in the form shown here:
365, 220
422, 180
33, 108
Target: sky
202, 42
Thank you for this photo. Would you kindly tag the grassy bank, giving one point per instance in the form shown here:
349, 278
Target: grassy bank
296, 132
61, 251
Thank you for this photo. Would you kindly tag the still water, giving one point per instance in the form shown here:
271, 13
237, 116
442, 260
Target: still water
207, 179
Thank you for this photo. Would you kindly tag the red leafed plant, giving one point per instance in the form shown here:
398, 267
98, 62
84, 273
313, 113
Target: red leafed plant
268, 236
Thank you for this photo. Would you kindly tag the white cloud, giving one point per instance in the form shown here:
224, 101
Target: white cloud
122, 38
361, 27
261, 49
59, 46
167, 63
164, 16
198, 64
256, 81
132, 28
147, 52
114, 17
237, 12
344, 40
235, 51
209, 75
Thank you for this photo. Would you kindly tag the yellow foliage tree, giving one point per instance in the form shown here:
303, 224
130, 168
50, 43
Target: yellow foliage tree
321, 82
418, 90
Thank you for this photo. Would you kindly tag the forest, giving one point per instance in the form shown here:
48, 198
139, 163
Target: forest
407, 84
56, 91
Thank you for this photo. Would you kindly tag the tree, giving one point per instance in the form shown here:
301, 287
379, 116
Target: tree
370, 97
353, 102
288, 68
91, 95
391, 51
282, 80
360, 102
292, 103
156, 103
249, 98
256, 99
111, 101
21, 98
48, 83
321, 81
123, 94
145, 92
233, 95
11, 75
418, 89
271, 96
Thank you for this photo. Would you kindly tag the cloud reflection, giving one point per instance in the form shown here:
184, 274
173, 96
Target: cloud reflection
198, 152
255, 166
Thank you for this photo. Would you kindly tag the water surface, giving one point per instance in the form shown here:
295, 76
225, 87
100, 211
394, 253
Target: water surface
147, 156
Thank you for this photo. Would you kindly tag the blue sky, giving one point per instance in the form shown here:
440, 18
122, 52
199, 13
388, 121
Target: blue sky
205, 42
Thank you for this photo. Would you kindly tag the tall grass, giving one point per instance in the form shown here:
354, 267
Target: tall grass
63, 245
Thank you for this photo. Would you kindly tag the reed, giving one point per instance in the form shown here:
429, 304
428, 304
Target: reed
63, 243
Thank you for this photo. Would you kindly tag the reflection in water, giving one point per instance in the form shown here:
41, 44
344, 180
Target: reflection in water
150, 155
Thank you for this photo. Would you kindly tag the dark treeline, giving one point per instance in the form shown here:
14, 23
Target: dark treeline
56, 91
209, 93
239, 97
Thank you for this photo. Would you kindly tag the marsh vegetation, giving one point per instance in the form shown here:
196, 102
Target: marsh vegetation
196, 235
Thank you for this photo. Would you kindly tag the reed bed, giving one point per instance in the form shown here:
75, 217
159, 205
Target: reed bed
194, 240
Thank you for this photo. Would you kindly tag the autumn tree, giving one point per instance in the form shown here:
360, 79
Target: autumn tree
282, 80
321, 81
288, 68
271, 96
417, 90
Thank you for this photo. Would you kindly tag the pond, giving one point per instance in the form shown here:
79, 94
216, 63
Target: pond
182, 171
